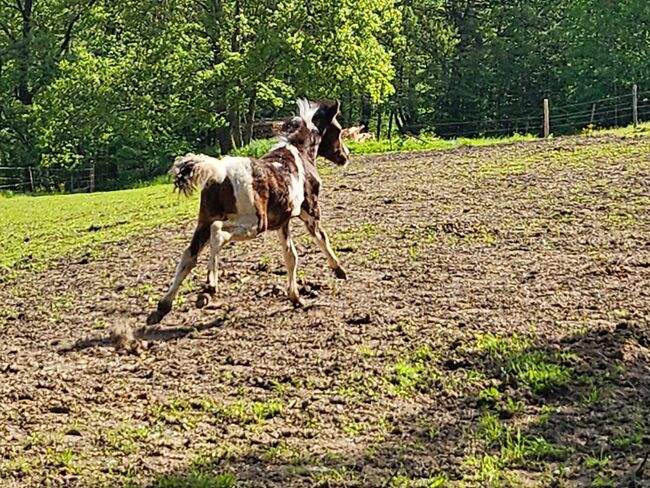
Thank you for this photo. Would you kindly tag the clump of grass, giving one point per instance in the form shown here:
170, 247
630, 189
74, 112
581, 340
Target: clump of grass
126, 438
543, 371
413, 372
405, 481
513, 449
189, 412
196, 479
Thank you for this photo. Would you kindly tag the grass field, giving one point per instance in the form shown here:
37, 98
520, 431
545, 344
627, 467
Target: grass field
494, 332
39, 230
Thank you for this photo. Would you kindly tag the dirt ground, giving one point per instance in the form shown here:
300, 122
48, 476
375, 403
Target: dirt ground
493, 331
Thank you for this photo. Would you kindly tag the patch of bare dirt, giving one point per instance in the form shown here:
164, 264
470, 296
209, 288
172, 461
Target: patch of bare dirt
441, 248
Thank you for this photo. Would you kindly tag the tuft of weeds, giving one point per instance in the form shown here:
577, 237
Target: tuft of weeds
189, 412
405, 481
543, 371
65, 460
597, 462
515, 447
413, 372
126, 438
196, 479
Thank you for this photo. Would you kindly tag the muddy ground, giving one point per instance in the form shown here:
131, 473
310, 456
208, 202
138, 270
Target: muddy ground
493, 331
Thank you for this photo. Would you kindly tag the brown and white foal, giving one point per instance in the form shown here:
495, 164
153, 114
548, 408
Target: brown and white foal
244, 197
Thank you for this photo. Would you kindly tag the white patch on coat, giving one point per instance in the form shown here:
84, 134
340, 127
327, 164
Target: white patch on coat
297, 185
238, 171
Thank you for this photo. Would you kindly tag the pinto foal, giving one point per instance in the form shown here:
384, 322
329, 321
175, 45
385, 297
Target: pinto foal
244, 197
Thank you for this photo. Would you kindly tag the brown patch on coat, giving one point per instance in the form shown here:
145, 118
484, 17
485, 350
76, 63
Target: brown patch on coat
217, 201
272, 184
312, 188
296, 132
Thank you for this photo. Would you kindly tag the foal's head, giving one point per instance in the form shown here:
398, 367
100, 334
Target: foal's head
316, 129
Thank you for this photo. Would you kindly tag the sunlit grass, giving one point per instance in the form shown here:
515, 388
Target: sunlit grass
39, 230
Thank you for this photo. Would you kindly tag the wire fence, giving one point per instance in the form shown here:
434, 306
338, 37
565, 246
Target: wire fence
35, 179
603, 112
600, 113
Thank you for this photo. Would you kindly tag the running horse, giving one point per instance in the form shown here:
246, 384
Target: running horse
242, 197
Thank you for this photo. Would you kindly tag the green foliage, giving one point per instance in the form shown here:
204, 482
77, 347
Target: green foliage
127, 86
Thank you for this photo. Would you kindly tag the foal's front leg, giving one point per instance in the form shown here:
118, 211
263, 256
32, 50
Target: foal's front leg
320, 236
187, 262
291, 260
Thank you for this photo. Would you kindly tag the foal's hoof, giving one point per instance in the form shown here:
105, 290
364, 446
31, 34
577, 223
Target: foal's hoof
297, 302
163, 309
202, 300
154, 318
340, 273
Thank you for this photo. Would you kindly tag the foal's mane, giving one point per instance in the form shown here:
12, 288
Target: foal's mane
306, 111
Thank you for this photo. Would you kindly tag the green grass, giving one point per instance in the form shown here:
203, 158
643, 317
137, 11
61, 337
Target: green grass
424, 142
427, 142
508, 448
413, 372
189, 412
643, 129
196, 479
543, 371
39, 230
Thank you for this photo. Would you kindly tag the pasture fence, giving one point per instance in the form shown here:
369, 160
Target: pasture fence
606, 112
613, 111
38, 179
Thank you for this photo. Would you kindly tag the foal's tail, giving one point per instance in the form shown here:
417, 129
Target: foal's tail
192, 171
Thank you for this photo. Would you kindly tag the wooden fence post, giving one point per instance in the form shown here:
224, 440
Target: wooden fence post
635, 106
31, 179
547, 119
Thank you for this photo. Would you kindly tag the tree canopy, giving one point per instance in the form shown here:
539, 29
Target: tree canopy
126, 85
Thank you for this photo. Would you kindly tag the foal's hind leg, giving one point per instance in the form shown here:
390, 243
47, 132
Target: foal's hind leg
320, 236
187, 262
218, 238
291, 260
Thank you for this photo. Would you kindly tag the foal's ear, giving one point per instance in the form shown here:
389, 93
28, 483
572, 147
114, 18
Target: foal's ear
326, 114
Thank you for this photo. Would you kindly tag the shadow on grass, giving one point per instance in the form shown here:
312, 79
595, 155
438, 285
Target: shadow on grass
501, 412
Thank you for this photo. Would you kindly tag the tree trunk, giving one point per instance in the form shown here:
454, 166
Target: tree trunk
379, 114
366, 113
250, 118
23, 92
235, 126
226, 143
233, 112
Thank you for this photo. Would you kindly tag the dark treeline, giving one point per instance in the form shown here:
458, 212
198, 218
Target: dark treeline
125, 85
